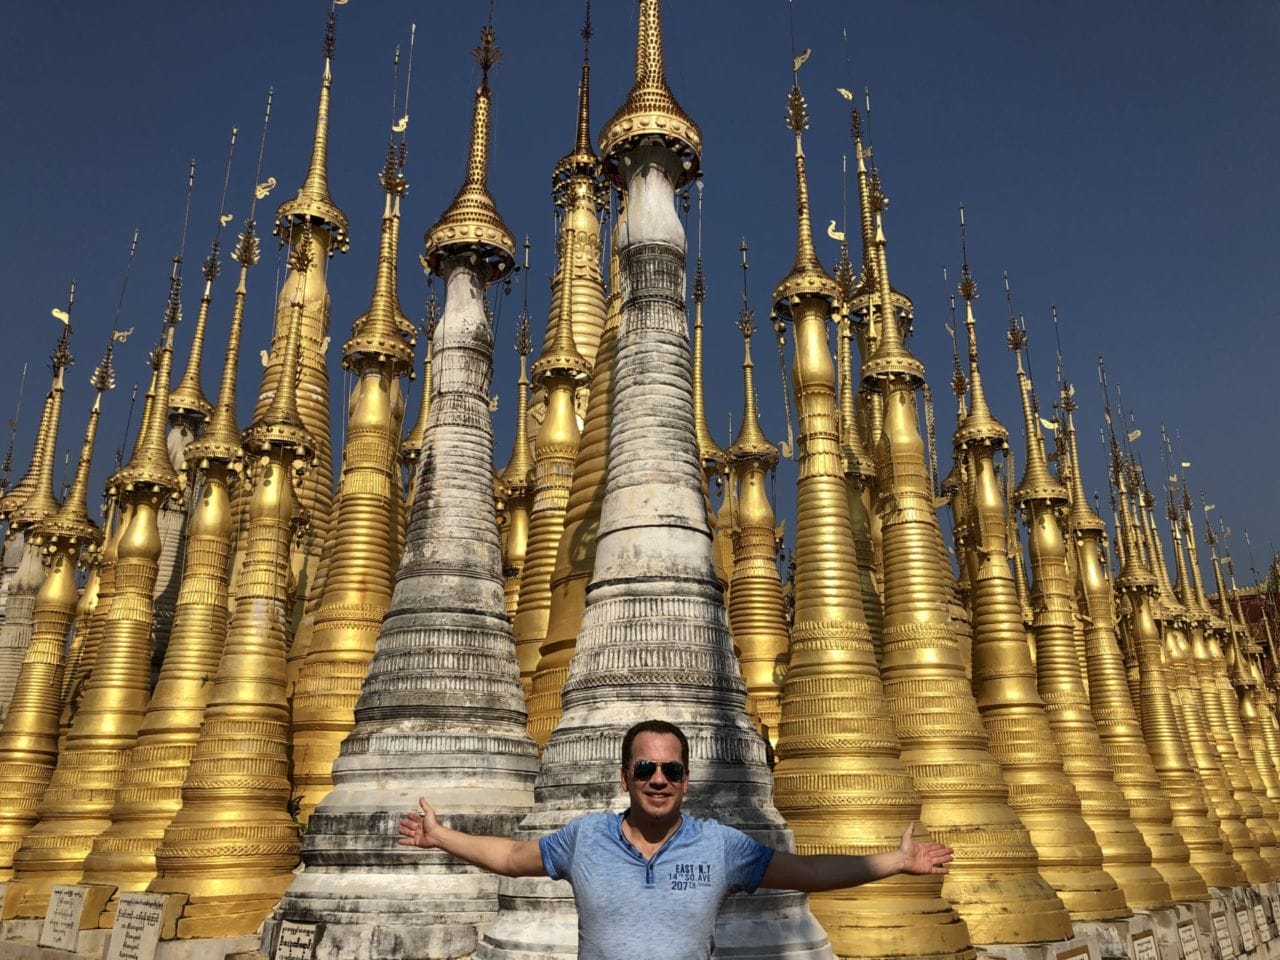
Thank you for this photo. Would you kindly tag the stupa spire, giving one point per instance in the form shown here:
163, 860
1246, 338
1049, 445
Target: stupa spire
1059, 679
653, 570
188, 396
808, 275
575, 558
411, 447
23, 511
922, 653
151, 790
442, 694
29, 736
1114, 711
357, 589
581, 197
978, 425
1031, 734
312, 212
757, 616
1226, 675
516, 481
710, 453
247, 702
77, 805
220, 440
651, 110
560, 372
830, 624
313, 203
472, 222
1159, 725
582, 146
6, 466
21, 489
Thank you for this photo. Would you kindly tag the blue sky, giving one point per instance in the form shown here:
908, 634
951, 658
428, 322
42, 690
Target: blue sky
1116, 159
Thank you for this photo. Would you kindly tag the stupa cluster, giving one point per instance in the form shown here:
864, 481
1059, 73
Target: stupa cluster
218, 703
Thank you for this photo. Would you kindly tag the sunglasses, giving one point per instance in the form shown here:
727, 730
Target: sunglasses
673, 770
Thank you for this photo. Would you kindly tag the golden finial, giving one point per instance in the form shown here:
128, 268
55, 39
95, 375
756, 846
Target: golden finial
959, 382
472, 225
1082, 516
710, 453
517, 474
751, 443
32, 499
560, 358
786, 447
188, 398
581, 169
650, 109
72, 521
746, 316
582, 143
221, 438
150, 464
845, 276
398, 151
383, 333
979, 426
1038, 481
891, 359
314, 204
808, 277
7, 466
281, 425
1134, 571
411, 448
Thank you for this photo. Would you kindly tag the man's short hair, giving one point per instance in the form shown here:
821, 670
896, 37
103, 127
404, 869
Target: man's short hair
654, 726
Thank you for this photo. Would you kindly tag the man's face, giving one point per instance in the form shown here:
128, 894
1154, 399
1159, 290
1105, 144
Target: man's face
656, 797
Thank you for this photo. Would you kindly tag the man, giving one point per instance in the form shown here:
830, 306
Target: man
652, 871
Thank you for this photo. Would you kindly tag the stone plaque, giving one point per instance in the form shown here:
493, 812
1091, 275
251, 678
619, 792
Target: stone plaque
1275, 908
1260, 921
297, 941
137, 929
62, 919
1075, 953
1222, 934
1144, 946
1190, 941
1247, 938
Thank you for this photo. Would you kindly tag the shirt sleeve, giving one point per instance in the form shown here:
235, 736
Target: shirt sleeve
745, 860
557, 850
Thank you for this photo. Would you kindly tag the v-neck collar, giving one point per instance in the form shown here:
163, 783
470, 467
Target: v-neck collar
622, 818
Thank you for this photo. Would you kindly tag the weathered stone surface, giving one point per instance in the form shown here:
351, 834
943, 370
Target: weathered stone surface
441, 712
655, 639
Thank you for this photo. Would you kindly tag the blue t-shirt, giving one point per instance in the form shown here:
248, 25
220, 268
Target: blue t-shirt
630, 908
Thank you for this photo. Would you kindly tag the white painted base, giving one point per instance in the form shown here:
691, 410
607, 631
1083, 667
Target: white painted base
1114, 937
1165, 924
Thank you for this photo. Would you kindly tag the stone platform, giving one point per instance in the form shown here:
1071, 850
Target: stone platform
1241, 923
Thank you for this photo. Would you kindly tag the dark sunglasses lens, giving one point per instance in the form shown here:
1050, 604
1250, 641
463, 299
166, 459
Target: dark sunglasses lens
673, 770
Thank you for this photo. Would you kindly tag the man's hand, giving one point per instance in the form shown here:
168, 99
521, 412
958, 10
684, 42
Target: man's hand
923, 858
510, 858
420, 829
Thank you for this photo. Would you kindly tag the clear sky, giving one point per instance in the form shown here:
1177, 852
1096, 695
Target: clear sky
1118, 160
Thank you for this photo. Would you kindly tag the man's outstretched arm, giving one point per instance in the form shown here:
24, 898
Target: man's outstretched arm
510, 858
789, 871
